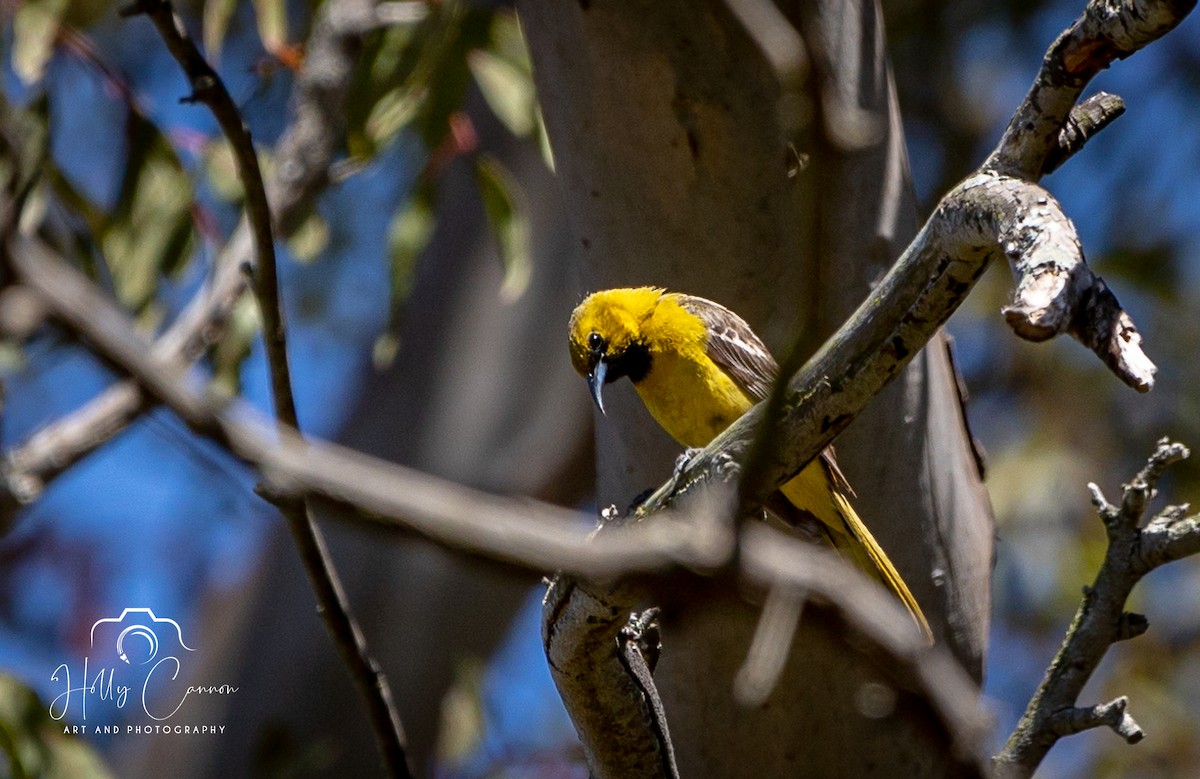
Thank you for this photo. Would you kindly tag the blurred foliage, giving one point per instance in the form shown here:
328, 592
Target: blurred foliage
507, 221
415, 76
34, 746
461, 732
147, 235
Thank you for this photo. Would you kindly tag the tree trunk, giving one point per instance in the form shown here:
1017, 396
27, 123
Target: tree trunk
675, 167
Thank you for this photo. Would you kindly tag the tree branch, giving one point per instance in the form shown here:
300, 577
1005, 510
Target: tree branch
1107, 31
986, 217
1085, 121
208, 88
1057, 292
303, 158
332, 603
1101, 620
1112, 714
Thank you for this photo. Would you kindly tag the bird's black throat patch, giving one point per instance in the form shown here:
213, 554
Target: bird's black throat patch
634, 362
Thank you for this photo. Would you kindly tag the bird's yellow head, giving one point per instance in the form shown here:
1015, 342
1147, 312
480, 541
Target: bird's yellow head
608, 338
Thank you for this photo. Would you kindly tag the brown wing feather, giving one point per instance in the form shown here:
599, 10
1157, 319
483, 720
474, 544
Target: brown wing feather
734, 347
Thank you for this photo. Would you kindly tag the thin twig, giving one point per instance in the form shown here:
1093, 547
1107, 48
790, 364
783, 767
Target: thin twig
1085, 121
332, 603
1112, 715
207, 88
1101, 620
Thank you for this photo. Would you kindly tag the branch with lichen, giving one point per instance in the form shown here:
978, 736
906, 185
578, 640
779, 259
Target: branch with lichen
1134, 549
998, 213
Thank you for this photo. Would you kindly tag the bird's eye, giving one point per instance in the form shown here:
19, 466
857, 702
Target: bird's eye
595, 341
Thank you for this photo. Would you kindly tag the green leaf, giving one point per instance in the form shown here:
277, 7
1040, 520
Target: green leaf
415, 75
508, 41
390, 114
508, 91
463, 725
271, 16
234, 347
507, 220
309, 239
24, 144
217, 14
221, 169
149, 233
35, 27
504, 73
409, 234
34, 745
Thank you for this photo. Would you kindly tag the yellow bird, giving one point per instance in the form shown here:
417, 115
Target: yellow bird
698, 366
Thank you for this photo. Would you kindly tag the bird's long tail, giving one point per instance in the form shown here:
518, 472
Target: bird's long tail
850, 536
857, 543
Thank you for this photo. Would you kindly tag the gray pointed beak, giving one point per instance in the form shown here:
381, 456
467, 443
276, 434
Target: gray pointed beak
595, 381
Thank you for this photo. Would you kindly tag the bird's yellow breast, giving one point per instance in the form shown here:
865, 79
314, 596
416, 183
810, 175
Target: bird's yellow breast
690, 397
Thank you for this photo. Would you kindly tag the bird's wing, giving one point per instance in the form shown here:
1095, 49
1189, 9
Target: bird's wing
734, 347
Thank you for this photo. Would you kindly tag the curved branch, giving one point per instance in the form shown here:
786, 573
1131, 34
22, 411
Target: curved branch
988, 216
